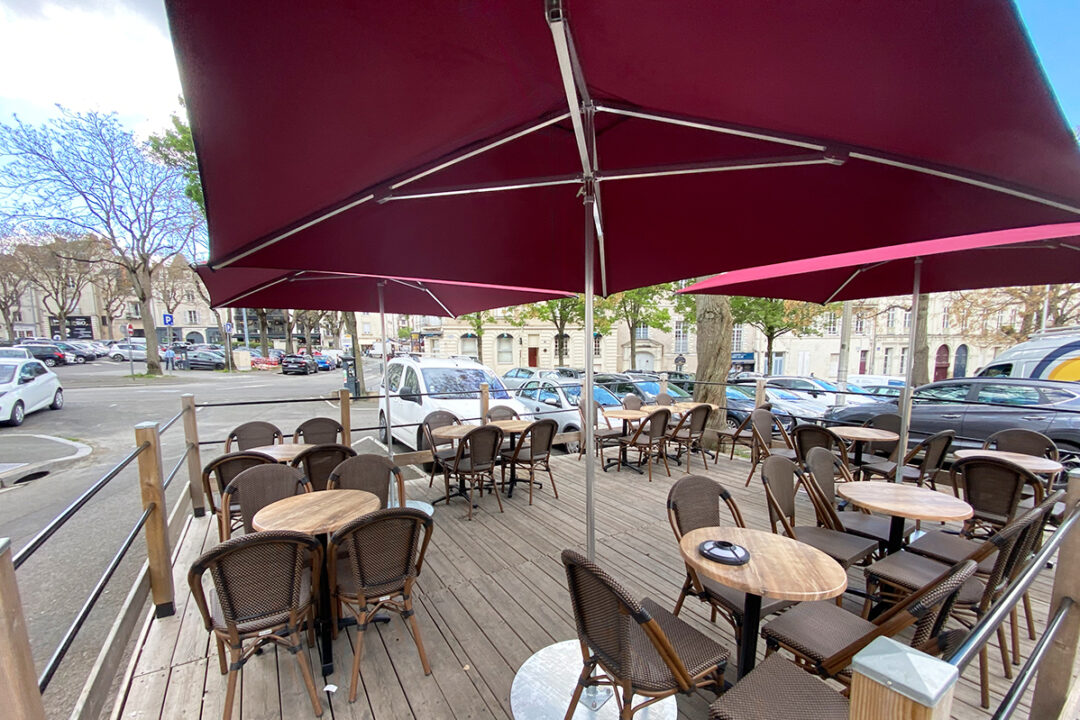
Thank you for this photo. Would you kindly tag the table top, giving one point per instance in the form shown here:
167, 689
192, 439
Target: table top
903, 500
282, 453
624, 414
511, 426
452, 432
779, 567
315, 513
1031, 463
679, 406
865, 434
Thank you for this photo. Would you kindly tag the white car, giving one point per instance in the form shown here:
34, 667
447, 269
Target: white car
15, 352
420, 386
820, 390
558, 399
25, 387
124, 351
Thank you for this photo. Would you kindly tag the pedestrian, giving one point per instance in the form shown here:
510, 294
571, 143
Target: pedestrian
170, 359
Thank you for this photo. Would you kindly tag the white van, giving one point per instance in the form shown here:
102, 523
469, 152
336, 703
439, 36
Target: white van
1049, 355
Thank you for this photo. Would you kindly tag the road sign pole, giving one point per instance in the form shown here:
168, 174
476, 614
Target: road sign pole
131, 349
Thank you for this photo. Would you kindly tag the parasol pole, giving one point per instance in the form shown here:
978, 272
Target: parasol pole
587, 391
385, 374
905, 396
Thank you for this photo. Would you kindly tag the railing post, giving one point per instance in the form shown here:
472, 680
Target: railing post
485, 399
194, 463
893, 681
345, 400
760, 398
1055, 671
18, 680
157, 524
663, 382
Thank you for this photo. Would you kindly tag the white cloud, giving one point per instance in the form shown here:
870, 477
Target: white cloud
109, 58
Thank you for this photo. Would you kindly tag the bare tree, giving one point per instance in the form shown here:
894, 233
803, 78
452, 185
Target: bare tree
13, 283
112, 286
171, 284
61, 269
84, 174
264, 331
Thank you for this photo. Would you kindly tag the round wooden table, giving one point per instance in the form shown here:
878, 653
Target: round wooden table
626, 416
859, 436
901, 502
452, 432
1031, 463
283, 453
779, 567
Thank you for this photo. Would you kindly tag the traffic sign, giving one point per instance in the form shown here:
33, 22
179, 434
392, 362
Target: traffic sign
228, 327
130, 328
166, 319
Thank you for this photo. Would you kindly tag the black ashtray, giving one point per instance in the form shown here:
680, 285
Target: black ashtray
723, 552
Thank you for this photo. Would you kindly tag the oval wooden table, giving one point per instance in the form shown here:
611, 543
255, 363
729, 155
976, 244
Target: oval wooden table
284, 452
512, 428
318, 513
902, 501
779, 567
453, 432
1031, 463
859, 436
626, 416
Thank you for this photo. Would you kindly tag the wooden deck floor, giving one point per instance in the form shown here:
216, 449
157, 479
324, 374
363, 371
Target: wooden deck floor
492, 592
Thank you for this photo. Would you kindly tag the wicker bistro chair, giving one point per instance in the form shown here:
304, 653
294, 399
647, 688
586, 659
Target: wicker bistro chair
933, 450
824, 637
532, 452
649, 439
824, 466
224, 469
383, 555
688, 433
807, 436
253, 434
762, 425
603, 435
694, 502
264, 585
255, 488
885, 449
475, 462
631, 401
319, 461
640, 648
781, 478
994, 489
663, 398
371, 473
1025, 442
741, 434
442, 451
501, 412
320, 431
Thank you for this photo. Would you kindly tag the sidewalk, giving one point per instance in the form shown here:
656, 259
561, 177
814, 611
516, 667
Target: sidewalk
23, 454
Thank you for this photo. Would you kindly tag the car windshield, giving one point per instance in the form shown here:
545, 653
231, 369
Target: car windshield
652, 389
462, 383
826, 385
12, 353
852, 387
7, 372
781, 394
739, 393
601, 394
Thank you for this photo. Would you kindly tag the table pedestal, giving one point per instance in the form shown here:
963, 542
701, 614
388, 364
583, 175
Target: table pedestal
749, 633
546, 681
620, 459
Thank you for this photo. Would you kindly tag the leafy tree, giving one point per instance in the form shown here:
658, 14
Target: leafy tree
639, 308
176, 148
60, 269
476, 322
13, 283
84, 174
561, 312
774, 318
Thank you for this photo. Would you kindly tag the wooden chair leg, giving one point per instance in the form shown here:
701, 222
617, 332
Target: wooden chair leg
1004, 648
305, 672
682, 596
354, 684
663, 455
984, 679
221, 655
230, 687
585, 671
531, 481
551, 477
1029, 616
753, 467
1014, 630
498, 496
416, 636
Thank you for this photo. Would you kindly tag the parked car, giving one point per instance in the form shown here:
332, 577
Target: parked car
335, 355
324, 362
865, 381
1019, 403
78, 353
127, 351
298, 365
644, 386
884, 391
27, 386
516, 377
789, 408
203, 360
20, 353
819, 389
558, 399
1050, 355
48, 354
681, 379
419, 386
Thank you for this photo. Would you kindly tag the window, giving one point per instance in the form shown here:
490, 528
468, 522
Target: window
736, 338
860, 325
890, 320
945, 318
560, 344
548, 396
192, 317
903, 360
469, 346
16, 316
410, 385
831, 324
886, 366
778, 364
1054, 395
943, 393
907, 320
504, 346
641, 332
367, 328
134, 311
596, 345
528, 390
189, 296
682, 339
1010, 394
394, 375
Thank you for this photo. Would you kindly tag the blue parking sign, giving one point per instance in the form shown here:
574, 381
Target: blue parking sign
166, 319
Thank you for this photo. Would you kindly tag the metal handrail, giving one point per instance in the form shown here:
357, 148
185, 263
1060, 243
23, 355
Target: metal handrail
1031, 667
176, 468
59, 521
169, 423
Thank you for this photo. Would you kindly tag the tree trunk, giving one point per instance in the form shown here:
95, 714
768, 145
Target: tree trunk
633, 346
6, 311
769, 339
288, 333
264, 332
714, 327
920, 354
143, 279
480, 348
350, 330
560, 342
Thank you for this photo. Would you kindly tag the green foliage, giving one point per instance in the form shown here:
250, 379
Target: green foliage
176, 148
640, 307
404, 333
477, 320
686, 305
775, 317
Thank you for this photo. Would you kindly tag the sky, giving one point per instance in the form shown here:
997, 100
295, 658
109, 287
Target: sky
115, 55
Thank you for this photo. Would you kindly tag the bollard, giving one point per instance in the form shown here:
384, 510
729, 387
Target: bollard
18, 680
484, 402
345, 400
892, 681
156, 529
194, 463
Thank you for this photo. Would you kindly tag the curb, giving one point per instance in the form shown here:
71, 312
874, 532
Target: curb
81, 451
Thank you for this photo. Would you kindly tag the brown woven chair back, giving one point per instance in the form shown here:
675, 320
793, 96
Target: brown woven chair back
371, 473
824, 466
657, 423
808, 436
501, 412
1010, 542
481, 446
663, 398
539, 436
226, 467
631, 402
257, 487
253, 434
779, 476
884, 421
438, 419
934, 449
1033, 539
603, 612
932, 608
319, 461
320, 431
699, 418
992, 487
1026, 442
258, 578
384, 549
694, 502
762, 422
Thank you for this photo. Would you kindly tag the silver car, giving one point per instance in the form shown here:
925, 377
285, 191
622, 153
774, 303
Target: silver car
558, 399
517, 377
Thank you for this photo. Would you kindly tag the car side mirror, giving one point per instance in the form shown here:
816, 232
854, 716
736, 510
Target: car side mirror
553, 402
411, 397
24, 380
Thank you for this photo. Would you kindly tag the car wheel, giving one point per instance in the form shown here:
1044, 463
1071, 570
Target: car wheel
572, 448
79, 360
18, 414
1071, 461
57, 400
731, 423
117, 357
383, 436
219, 366
51, 362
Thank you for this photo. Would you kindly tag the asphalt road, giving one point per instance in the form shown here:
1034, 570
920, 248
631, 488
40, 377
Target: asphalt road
102, 406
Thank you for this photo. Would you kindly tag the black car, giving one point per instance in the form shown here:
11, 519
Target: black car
1017, 403
298, 365
81, 355
48, 354
203, 360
